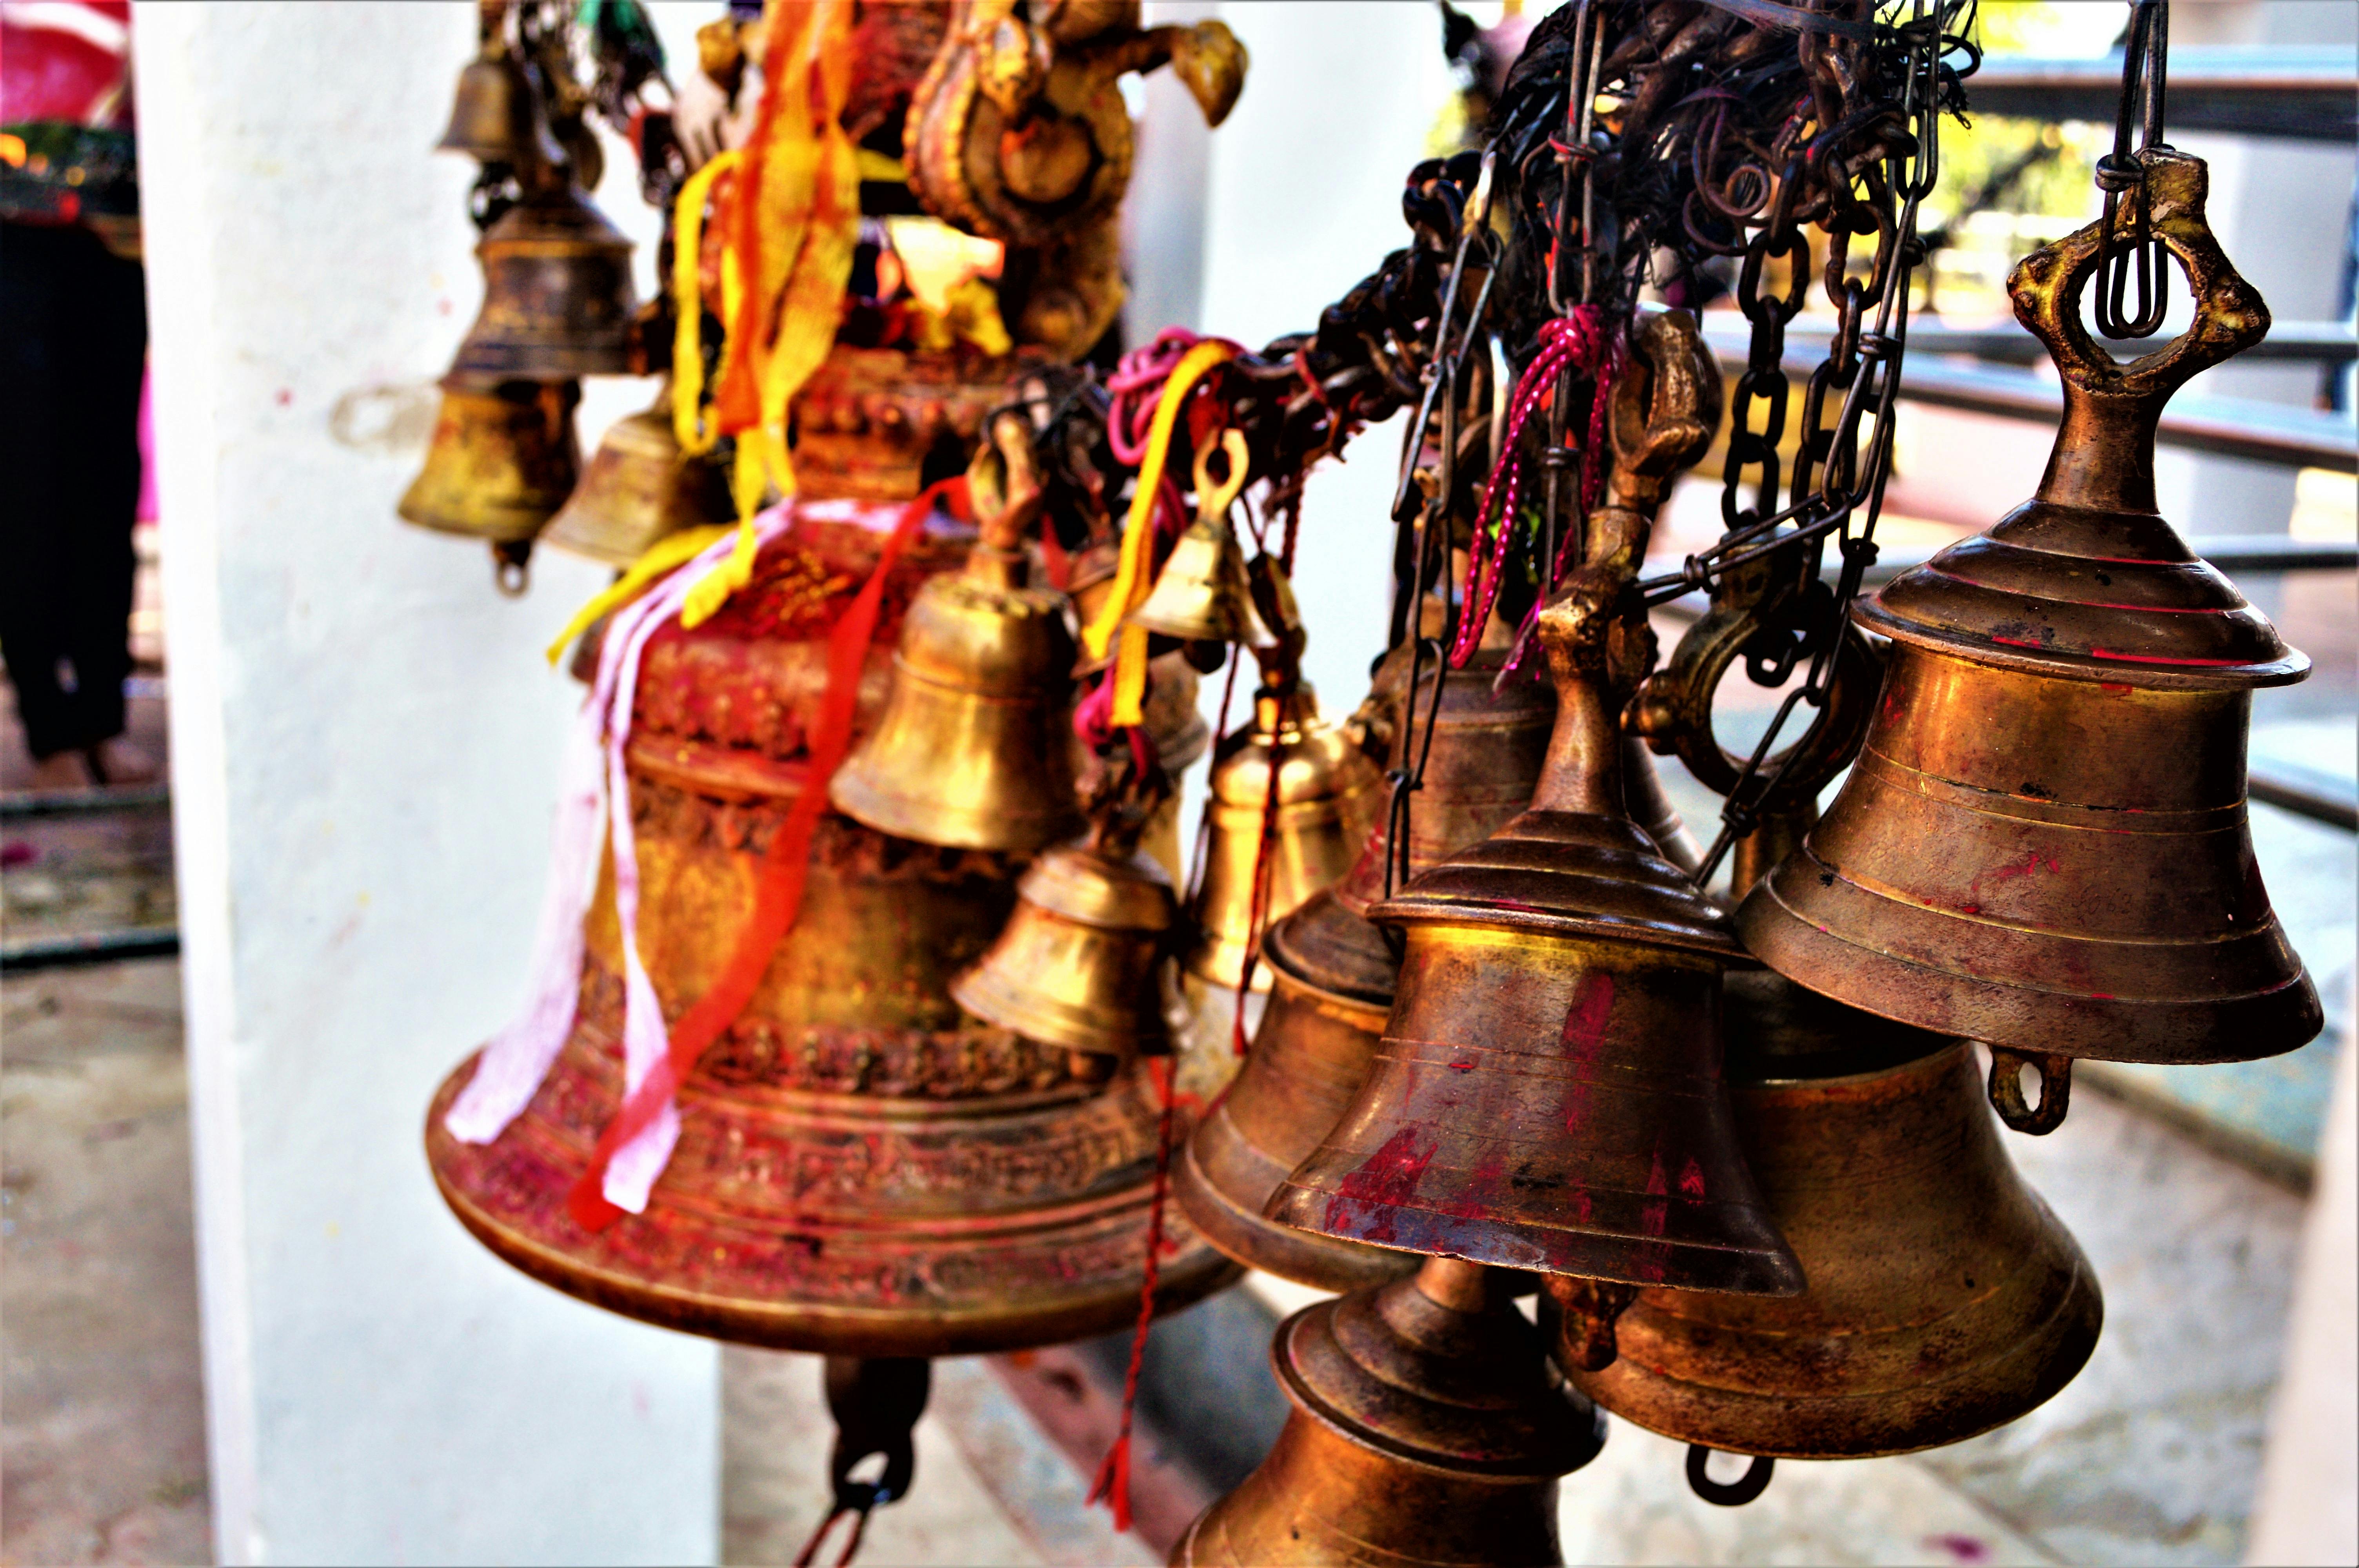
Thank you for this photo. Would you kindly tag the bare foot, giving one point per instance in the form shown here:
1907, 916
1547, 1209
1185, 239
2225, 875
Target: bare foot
64, 771
118, 761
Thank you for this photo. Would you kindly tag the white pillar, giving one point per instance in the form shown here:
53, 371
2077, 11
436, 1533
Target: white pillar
364, 743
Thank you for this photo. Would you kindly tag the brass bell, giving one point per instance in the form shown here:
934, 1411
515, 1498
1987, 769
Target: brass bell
1327, 796
1084, 961
972, 752
1427, 1428
502, 462
1548, 1095
558, 300
1203, 594
1332, 974
639, 487
495, 118
1944, 1298
2043, 844
860, 1171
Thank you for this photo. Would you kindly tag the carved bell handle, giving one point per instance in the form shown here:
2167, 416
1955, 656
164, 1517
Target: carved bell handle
2103, 457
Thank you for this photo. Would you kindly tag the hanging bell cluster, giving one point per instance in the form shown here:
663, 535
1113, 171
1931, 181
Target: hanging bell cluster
558, 305
2043, 845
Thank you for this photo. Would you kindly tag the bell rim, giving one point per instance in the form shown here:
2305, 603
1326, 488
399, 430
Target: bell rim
854, 793
1870, 614
1322, 1262
832, 1328
2071, 1344
2084, 1027
1049, 1021
418, 516
1411, 909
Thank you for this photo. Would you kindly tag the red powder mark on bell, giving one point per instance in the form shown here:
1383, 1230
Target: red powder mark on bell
1970, 909
1656, 1211
1691, 1181
1961, 1548
1461, 1066
2033, 860
2116, 688
1386, 1180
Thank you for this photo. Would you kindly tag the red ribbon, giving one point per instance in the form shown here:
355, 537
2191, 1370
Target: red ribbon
779, 888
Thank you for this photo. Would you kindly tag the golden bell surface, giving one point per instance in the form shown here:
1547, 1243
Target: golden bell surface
1202, 594
502, 461
557, 292
1083, 963
2043, 844
494, 119
971, 748
638, 488
1428, 1429
1328, 794
1332, 976
860, 1171
1944, 1298
1548, 1094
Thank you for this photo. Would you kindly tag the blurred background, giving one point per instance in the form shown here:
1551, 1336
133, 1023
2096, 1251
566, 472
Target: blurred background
236, 1325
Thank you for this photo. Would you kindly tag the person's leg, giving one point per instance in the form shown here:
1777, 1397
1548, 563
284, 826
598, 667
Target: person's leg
36, 288
100, 500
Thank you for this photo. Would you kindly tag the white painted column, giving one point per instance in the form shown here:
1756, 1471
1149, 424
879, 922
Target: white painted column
364, 743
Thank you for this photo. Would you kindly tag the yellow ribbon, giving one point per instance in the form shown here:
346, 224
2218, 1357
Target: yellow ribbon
656, 560
1132, 580
696, 437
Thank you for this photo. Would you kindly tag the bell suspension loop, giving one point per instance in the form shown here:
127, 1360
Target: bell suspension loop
2136, 252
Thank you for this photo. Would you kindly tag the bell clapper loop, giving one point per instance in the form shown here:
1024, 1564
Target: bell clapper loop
2137, 252
876, 1401
512, 566
2006, 1089
1727, 1494
1589, 1309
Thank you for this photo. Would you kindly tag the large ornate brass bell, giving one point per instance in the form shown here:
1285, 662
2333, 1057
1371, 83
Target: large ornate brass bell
1084, 962
970, 750
862, 1171
502, 462
1332, 973
1548, 1095
1327, 792
2043, 845
1427, 1429
558, 299
639, 487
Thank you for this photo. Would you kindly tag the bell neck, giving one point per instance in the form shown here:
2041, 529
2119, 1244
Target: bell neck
1284, 710
995, 566
1778, 834
1582, 771
2104, 456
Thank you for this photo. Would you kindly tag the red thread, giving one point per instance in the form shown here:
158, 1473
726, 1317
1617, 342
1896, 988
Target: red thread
779, 890
1112, 1486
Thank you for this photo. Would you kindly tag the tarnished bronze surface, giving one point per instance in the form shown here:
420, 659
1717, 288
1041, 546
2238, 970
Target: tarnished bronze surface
1548, 1095
2043, 844
970, 750
502, 462
492, 117
1428, 1429
1084, 962
1328, 794
639, 487
882, 424
1332, 976
557, 292
861, 1169
1944, 1298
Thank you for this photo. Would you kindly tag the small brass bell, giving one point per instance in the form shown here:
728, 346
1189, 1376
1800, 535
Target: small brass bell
1332, 975
1548, 1095
493, 116
1203, 594
1427, 1428
2043, 844
971, 752
502, 462
558, 300
639, 487
1327, 796
1085, 962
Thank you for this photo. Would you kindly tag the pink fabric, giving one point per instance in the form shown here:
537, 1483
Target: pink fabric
148, 511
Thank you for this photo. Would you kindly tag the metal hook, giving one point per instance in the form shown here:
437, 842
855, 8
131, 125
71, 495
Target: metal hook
2006, 1089
1727, 1494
